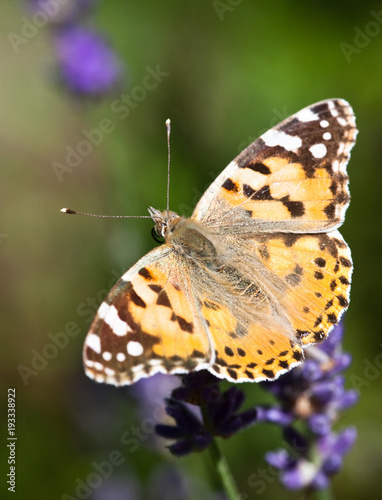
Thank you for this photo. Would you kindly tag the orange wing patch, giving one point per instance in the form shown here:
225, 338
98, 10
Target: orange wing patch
316, 270
248, 353
288, 193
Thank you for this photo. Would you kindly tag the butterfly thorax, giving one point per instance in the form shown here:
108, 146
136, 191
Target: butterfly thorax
185, 236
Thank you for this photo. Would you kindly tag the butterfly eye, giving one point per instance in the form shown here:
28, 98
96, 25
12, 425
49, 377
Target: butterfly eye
156, 236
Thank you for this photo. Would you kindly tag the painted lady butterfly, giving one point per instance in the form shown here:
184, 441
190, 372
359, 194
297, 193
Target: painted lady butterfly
258, 272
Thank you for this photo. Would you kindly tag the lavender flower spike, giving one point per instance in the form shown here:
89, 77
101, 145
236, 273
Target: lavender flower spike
314, 395
217, 415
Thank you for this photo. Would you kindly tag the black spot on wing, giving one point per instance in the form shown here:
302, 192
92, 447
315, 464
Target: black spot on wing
269, 373
185, 325
163, 299
295, 208
343, 302
297, 355
328, 244
263, 194
330, 211
134, 297
229, 185
332, 318
259, 167
320, 262
145, 273
345, 262
228, 351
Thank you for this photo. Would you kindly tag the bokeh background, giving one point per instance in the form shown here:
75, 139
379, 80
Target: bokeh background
229, 70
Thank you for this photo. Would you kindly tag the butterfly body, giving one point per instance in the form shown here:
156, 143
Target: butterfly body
258, 272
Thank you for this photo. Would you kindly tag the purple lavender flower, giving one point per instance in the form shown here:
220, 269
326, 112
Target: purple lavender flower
313, 394
87, 64
218, 416
118, 489
60, 12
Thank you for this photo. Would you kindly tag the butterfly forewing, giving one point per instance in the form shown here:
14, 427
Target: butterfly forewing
293, 178
149, 323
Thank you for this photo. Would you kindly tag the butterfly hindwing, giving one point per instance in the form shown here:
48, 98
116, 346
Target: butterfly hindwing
252, 351
315, 270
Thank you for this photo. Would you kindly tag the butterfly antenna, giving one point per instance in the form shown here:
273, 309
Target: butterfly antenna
73, 212
168, 128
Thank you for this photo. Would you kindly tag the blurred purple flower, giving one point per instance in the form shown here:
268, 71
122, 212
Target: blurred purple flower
218, 415
313, 394
87, 64
59, 12
118, 489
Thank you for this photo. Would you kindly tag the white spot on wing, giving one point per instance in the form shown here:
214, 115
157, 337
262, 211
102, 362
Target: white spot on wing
110, 315
94, 342
121, 357
307, 115
342, 121
137, 368
134, 348
103, 310
327, 136
336, 165
324, 123
318, 150
332, 108
276, 138
155, 362
107, 355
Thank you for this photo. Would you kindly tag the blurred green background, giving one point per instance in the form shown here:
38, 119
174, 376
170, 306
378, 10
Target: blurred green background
234, 69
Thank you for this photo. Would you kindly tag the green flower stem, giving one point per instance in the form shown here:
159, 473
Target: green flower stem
224, 476
324, 494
